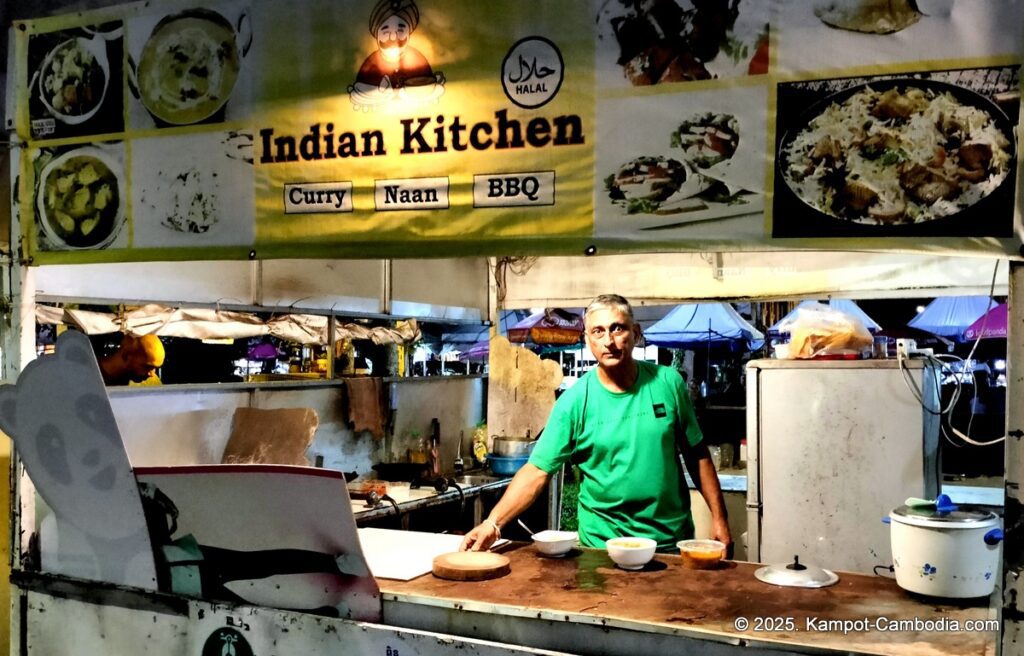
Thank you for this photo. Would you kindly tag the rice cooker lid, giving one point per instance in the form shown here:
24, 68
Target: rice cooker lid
944, 516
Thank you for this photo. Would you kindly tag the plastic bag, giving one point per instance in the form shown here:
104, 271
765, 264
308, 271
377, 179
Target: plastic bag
818, 330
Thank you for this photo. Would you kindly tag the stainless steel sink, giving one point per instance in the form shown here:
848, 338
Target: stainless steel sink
471, 480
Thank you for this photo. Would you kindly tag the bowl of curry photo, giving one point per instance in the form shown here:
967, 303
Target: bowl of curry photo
189, 65
80, 199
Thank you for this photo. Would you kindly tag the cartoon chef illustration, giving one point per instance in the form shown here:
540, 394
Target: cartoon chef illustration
395, 69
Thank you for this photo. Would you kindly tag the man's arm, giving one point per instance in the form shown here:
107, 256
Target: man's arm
524, 489
702, 471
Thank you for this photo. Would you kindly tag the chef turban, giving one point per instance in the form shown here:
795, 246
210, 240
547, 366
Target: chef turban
404, 9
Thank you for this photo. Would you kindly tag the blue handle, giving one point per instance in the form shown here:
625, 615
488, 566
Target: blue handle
944, 504
887, 520
994, 537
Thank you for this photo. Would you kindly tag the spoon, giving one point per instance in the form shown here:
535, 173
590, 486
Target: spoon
527, 528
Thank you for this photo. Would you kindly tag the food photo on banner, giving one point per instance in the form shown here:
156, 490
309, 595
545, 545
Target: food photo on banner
830, 35
75, 86
915, 154
190, 67
79, 200
193, 190
684, 164
642, 43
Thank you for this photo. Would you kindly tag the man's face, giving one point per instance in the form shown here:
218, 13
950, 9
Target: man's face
611, 337
141, 368
392, 37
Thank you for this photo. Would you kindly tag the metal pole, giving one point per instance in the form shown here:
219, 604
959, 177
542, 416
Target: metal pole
1012, 611
387, 279
332, 338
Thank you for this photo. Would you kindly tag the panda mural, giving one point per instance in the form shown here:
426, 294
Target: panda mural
60, 419
226, 532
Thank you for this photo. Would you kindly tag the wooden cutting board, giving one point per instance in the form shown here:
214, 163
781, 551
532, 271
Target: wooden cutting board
471, 566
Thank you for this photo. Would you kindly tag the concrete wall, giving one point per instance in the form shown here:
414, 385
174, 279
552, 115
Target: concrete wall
457, 403
191, 424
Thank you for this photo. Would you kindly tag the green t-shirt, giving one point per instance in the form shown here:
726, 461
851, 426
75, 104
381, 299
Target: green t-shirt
626, 447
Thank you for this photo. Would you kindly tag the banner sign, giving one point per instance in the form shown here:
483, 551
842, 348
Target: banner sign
420, 128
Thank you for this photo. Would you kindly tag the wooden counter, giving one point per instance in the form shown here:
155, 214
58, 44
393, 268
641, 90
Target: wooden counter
584, 604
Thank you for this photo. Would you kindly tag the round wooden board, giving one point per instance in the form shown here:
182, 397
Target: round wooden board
471, 566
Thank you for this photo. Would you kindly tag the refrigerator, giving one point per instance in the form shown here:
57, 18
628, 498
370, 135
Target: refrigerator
832, 447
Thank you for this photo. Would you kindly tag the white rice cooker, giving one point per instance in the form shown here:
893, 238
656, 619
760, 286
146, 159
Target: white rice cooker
941, 550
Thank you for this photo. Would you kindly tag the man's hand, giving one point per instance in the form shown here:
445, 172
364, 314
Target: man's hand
480, 538
720, 531
524, 489
703, 473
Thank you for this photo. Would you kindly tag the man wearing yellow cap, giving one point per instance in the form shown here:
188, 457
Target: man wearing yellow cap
134, 362
395, 64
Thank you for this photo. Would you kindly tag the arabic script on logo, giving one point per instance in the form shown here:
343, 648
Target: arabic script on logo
532, 72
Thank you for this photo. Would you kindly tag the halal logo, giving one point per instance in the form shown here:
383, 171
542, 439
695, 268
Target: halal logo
226, 642
532, 72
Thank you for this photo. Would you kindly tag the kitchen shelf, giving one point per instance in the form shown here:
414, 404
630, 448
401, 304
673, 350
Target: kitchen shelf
437, 499
278, 385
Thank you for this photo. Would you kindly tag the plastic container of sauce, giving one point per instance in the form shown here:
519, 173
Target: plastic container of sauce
701, 554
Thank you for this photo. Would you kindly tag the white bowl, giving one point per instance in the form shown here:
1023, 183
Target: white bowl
555, 543
630, 552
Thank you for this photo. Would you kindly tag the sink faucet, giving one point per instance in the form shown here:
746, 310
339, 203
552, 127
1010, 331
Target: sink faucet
458, 465
435, 447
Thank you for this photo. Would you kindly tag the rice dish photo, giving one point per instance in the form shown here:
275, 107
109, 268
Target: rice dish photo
907, 154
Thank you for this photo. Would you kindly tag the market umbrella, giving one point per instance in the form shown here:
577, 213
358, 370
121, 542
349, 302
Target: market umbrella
479, 352
991, 324
263, 351
552, 326
465, 336
702, 324
950, 316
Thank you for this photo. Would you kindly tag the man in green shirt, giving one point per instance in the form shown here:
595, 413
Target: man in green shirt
624, 425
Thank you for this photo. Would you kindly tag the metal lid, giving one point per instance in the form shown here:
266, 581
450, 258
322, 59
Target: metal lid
796, 575
940, 516
941, 513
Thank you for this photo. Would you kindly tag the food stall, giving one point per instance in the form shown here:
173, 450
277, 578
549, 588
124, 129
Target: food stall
493, 156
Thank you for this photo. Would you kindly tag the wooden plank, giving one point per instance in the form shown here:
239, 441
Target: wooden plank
664, 597
471, 566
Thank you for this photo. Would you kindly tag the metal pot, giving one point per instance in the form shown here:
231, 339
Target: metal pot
505, 465
941, 550
512, 446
